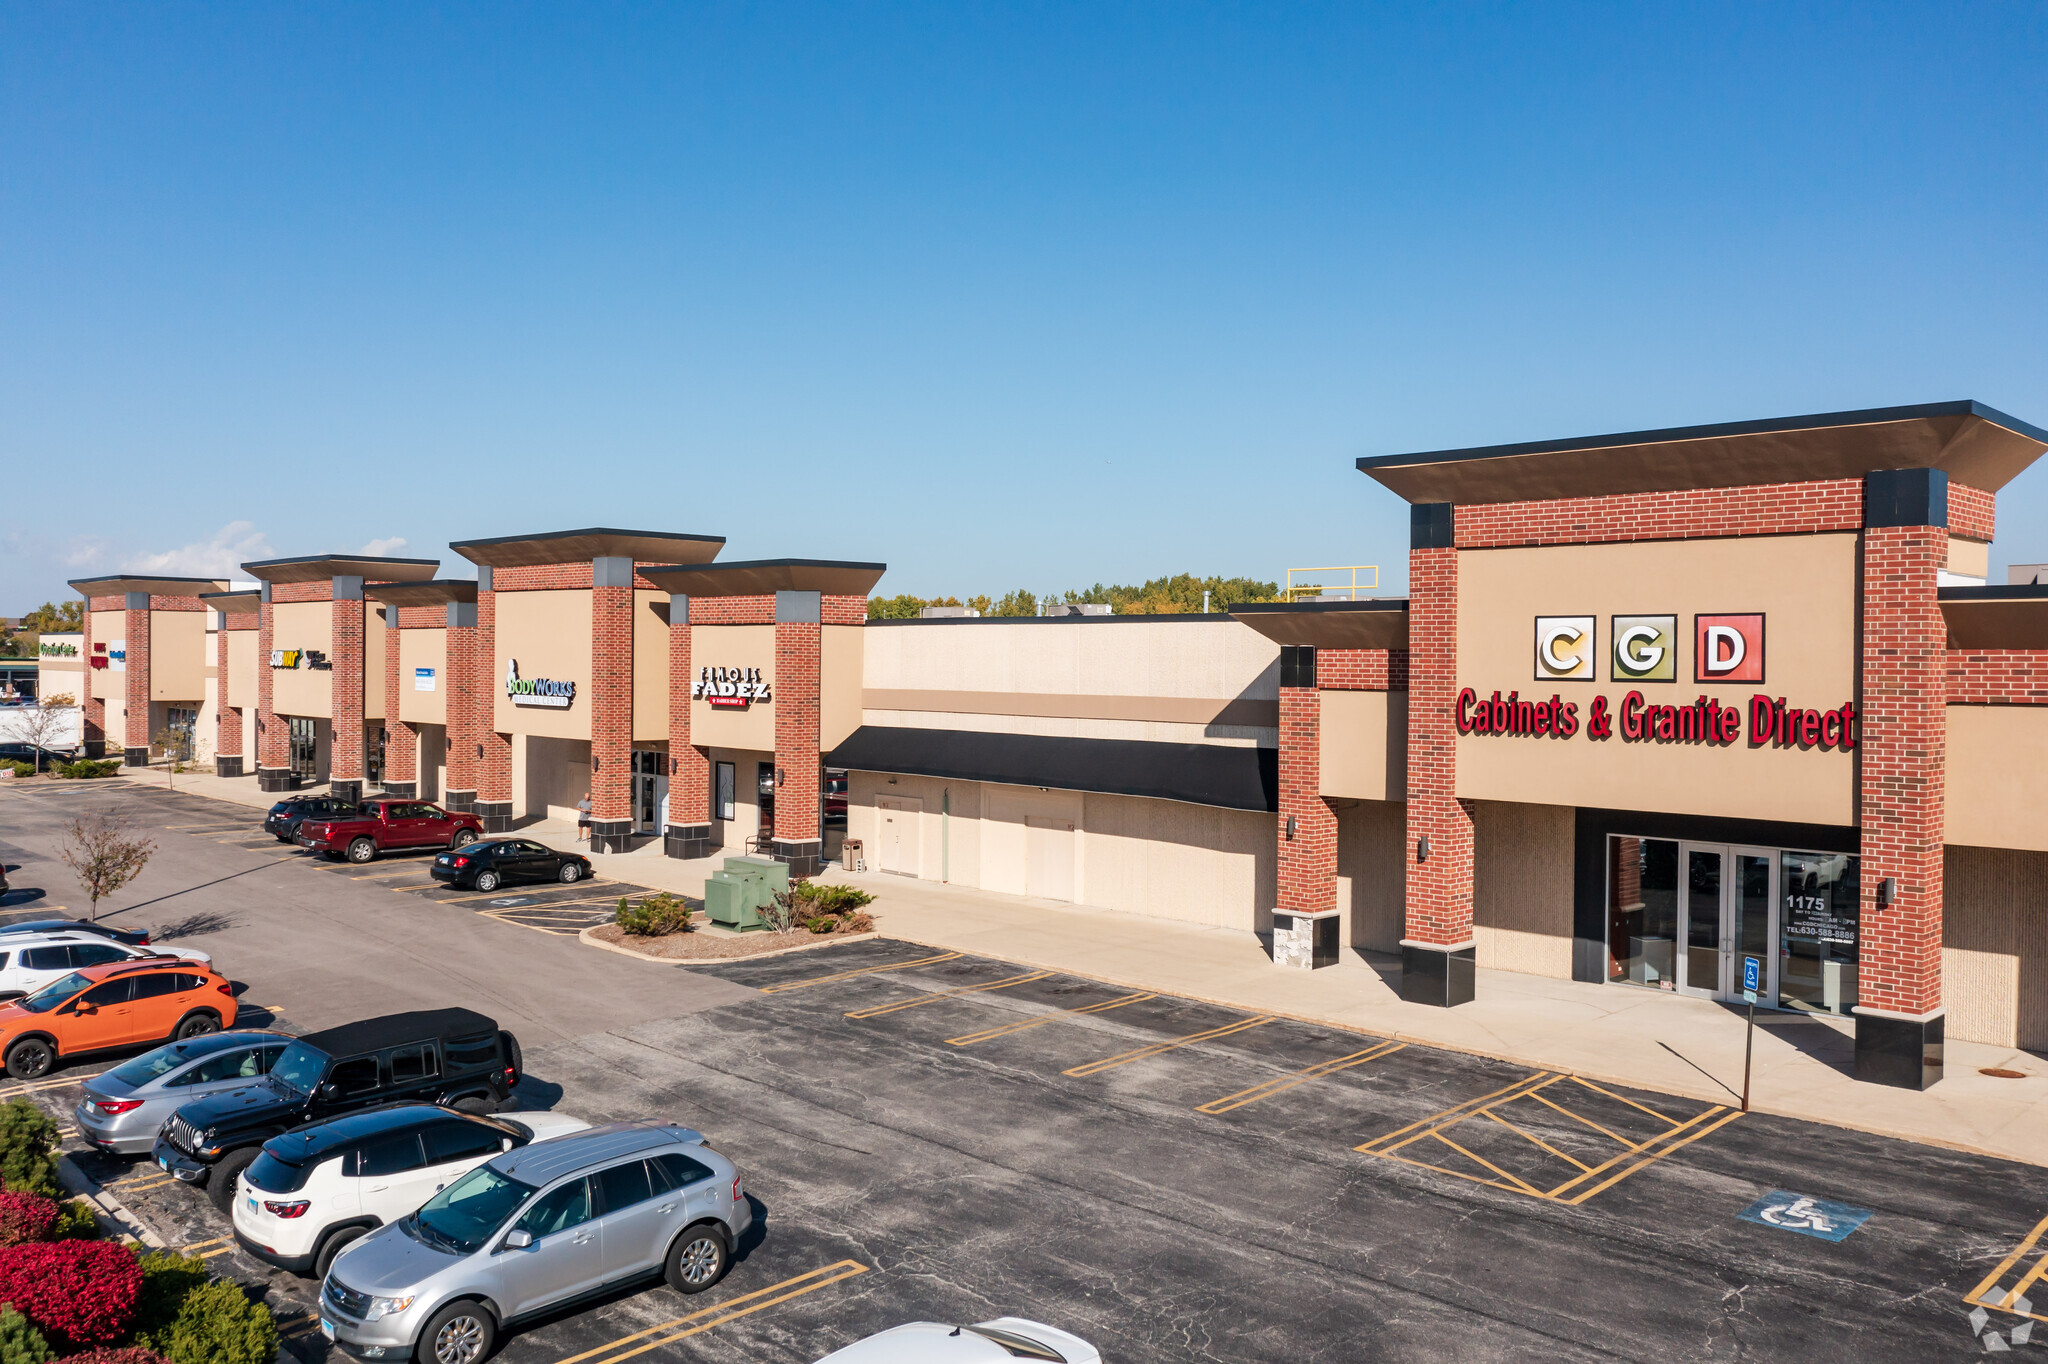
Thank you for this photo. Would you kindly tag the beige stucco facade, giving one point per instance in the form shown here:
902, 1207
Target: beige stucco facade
303, 691
548, 634
178, 656
1363, 744
1994, 799
1995, 946
422, 649
733, 646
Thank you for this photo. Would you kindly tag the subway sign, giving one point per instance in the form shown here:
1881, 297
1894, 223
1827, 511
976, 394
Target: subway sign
300, 658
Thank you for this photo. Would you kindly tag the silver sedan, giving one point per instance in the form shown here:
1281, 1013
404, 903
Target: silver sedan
123, 1107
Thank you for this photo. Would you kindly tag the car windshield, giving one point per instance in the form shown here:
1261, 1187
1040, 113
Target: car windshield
55, 993
461, 1217
150, 1065
300, 1067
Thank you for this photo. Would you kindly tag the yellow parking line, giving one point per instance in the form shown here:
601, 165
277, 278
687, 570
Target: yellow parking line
386, 874
222, 1250
1522, 1184
696, 1323
37, 1086
1588, 1084
202, 1245
156, 1183
1729, 1115
900, 1005
1160, 1048
1287, 1082
1025, 1024
787, 986
1374, 1146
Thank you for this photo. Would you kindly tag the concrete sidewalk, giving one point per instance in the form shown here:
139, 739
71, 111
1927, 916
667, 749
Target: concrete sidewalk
1648, 1039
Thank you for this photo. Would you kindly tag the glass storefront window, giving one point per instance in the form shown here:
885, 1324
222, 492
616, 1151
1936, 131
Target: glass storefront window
1820, 912
1642, 911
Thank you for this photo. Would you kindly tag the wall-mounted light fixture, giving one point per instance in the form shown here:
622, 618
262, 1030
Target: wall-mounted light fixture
479, 750
1422, 848
1887, 892
1291, 826
593, 762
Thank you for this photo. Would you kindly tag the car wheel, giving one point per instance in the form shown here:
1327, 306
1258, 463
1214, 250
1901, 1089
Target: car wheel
362, 850
463, 837
198, 1025
460, 1333
471, 1105
30, 1059
570, 872
487, 881
696, 1261
323, 1259
226, 1173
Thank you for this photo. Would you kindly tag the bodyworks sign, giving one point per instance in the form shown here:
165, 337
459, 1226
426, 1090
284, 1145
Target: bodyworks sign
536, 691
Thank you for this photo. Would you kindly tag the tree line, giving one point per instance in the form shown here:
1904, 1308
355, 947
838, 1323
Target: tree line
1177, 594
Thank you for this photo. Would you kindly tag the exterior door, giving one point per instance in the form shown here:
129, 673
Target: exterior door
1049, 858
304, 742
1728, 910
896, 846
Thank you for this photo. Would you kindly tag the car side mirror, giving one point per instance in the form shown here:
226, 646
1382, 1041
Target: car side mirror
329, 1092
518, 1240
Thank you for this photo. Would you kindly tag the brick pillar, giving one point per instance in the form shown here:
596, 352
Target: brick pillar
93, 714
345, 691
227, 716
1437, 964
1305, 917
799, 839
135, 728
402, 740
464, 699
273, 747
493, 802
1901, 762
689, 767
611, 704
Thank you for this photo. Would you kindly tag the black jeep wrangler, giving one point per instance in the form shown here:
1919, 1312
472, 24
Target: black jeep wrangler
443, 1056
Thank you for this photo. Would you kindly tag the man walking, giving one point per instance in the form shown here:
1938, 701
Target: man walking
583, 819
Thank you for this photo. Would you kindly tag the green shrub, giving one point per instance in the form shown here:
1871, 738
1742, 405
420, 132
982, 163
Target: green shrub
75, 1222
21, 1342
88, 768
655, 916
28, 1137
23, 769
217, 1324
168, 1279
823, 924
831, 899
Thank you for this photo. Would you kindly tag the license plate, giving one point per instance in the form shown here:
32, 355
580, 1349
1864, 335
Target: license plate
252, 1204
165, 1163
327, 1328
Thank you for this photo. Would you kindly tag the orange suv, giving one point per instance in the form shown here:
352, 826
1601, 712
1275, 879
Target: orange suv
122, 1004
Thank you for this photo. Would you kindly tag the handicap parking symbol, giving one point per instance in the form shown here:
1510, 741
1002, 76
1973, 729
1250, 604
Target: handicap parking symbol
1807, 1216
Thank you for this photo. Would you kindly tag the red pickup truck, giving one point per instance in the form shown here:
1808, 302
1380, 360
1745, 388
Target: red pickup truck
386, 826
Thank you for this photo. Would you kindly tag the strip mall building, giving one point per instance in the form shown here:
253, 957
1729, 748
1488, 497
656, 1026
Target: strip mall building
1694, 711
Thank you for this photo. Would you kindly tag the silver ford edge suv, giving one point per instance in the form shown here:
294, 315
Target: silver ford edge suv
531, 1231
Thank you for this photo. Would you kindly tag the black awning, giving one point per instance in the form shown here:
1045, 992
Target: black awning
1199, 774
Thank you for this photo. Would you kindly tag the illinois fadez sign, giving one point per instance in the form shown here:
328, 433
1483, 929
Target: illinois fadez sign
730, 688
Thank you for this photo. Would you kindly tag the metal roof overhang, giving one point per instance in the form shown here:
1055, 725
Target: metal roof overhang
436, 593
1975, 445
313, 568
1380, 624
1996, 617
758, 577
244, 603
596, 542
115, 584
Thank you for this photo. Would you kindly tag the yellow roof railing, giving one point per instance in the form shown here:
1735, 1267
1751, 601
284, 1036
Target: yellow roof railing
1345, 582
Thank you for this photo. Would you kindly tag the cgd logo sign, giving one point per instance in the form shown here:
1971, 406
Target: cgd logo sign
1726, 648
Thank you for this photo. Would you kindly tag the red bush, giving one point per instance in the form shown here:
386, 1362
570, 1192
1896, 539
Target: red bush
127, 1354
25, 1217
83, 1291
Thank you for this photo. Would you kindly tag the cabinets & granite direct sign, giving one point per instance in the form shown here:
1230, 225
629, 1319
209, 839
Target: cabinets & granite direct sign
1727, 648
735, 688
536, 691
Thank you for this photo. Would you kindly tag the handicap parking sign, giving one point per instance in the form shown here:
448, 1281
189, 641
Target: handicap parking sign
1807, 1216
1752, 977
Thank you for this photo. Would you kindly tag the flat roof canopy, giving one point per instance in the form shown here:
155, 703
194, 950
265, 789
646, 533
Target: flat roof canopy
435, 593
2012, 617
114, 584
244, 603
1974, 444
757, 577
312, 568
596, 542
1379, 624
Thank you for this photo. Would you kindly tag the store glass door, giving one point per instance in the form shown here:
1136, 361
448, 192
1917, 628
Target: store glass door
1728, 909
650, 789
304, 748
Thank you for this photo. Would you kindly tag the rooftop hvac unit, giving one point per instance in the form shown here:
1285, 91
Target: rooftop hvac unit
946, 612
1086, 608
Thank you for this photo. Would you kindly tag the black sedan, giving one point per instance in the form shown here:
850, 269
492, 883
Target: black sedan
486, 866
284, 818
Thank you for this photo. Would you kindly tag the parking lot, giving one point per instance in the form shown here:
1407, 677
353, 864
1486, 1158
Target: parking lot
934, 1135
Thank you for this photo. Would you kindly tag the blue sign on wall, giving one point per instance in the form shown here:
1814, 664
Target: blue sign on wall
1807, 1216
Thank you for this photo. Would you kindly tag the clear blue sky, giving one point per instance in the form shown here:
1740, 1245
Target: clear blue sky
1006, 296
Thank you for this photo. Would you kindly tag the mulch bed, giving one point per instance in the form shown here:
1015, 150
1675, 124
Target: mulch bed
700, 946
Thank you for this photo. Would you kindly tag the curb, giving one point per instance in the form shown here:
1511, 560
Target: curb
832, 940
106, 1206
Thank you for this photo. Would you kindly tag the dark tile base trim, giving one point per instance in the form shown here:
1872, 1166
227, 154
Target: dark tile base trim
1905, 1053
611, 835
95, 748
686, 841
276, 779
349, 789
135, 757
1319, 929
805, 857
458, 801
224, 766
403, 790
496, 815
1430, 975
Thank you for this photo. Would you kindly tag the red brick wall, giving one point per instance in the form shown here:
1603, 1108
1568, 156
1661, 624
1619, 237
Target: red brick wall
546, 577
796, 726
320, 589
1902, 766
137, 688
1440, 888
611, 702
1307, 874
227, 715
1362, 669
273, 749
494, 769
243, 620
401, 742
735, 611
1972, 512
1998, 677
689, 784
1767, 509
465, 694
345, 691
844, 610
